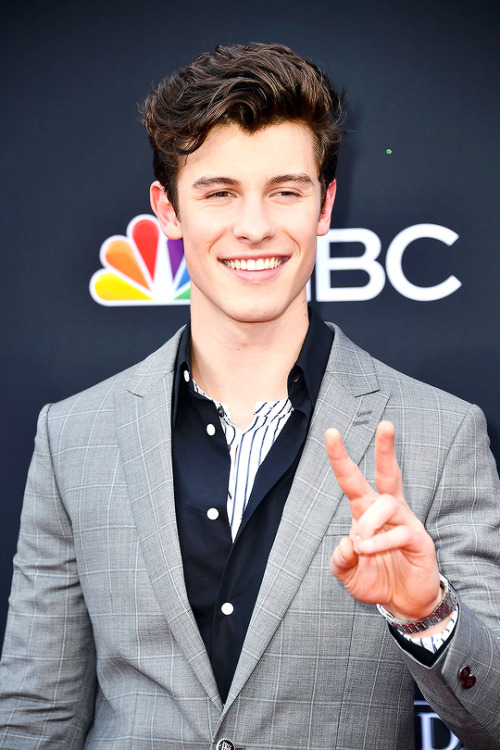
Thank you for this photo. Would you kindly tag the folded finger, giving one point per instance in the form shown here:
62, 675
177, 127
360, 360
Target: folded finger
398, 537
386, 510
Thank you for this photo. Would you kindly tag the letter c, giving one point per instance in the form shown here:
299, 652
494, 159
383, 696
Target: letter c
394, 257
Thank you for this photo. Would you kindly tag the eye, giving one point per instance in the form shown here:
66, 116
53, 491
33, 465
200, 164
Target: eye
286, 193
219, 194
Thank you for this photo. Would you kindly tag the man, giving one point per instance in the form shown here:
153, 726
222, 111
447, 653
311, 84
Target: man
172, 583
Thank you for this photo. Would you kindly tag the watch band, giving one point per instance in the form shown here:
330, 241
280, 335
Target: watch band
441, 612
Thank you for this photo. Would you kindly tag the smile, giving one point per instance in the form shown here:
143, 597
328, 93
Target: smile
254, 264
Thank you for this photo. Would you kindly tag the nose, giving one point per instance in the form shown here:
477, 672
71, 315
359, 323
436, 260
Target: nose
253, 223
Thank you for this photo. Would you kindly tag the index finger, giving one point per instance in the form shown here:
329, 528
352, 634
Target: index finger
348, 475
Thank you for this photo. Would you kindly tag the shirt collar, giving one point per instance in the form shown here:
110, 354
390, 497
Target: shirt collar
304, 379
182, 375
311, 363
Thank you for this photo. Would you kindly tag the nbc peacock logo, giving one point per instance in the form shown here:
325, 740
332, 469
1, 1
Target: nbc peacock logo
141, 268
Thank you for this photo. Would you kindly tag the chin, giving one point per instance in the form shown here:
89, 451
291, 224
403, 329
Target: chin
255, 313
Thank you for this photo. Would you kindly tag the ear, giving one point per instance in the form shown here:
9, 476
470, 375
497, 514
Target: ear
326, 210
164, 211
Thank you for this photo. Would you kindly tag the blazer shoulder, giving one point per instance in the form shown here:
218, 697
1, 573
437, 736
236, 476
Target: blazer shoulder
356, 367
410, 389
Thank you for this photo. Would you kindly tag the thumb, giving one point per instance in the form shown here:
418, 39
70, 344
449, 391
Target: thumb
343, 558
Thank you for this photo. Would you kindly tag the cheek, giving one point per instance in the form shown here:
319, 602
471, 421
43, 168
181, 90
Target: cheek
199, 257
191, 256
308, 244
303, 227
200, 235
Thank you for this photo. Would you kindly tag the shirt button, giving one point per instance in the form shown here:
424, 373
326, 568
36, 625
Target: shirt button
210, 429
213, 514
227, 608
186, 376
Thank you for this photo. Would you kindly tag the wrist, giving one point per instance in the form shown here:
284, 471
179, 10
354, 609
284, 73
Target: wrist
433, 622
422, 612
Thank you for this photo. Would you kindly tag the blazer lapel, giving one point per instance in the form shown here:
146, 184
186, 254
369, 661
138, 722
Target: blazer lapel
350, 400
144, 435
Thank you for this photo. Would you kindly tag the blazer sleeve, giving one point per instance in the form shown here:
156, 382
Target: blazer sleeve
47, 673
464, 521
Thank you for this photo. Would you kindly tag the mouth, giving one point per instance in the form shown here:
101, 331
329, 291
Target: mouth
255, 264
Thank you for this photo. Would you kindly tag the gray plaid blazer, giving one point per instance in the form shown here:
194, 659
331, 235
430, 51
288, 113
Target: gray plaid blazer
102, 649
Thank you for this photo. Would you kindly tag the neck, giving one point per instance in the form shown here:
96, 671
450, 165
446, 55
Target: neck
240, 363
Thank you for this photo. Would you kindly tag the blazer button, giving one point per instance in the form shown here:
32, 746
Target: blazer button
225, 745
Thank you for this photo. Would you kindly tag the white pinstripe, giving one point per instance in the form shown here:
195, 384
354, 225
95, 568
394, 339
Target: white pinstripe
247, 449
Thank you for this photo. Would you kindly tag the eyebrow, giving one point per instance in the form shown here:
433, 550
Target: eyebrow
204, 182
207, 182
300, 177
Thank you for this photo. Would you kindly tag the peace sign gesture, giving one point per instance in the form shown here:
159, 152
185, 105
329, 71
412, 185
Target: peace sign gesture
388, 557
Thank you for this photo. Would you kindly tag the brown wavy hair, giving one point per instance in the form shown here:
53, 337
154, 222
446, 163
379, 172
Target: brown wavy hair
252, 85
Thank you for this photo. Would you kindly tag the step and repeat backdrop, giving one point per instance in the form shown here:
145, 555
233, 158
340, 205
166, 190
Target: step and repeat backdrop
410, 267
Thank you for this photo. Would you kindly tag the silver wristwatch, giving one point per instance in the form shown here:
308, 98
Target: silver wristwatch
441, 612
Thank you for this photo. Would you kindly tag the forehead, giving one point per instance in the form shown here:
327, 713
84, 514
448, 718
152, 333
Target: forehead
232, 151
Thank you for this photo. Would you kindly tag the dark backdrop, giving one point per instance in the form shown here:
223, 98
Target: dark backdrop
422, 81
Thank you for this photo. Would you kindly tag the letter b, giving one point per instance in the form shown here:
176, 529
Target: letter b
366, 262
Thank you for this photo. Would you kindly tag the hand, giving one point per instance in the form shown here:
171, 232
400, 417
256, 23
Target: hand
388, 557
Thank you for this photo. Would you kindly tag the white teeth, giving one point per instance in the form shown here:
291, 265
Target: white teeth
252, 264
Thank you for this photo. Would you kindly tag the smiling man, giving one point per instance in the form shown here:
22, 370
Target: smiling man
173, 582
249, 209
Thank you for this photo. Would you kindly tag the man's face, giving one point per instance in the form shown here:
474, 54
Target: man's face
249, 214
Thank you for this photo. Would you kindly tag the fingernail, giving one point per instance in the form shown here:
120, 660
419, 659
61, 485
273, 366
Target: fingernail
356, 541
